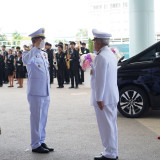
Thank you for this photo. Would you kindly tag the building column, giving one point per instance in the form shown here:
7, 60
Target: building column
141, 21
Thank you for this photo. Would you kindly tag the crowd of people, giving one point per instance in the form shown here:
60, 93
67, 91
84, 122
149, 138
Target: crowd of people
64, 64
11, 66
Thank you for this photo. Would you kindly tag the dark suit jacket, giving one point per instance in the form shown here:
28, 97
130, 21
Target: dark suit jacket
1, 63
19, 65
84, 50
74, 60
50, 56
60, 60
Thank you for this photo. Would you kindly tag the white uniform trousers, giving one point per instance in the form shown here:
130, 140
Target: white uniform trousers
107, 123
38, 119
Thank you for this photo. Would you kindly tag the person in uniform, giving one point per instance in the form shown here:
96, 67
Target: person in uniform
5, 74
49, 51
74, 65
84, 49
66, 70
19, 69
1, 70
105, 96
10, 67
61, 65
38, 90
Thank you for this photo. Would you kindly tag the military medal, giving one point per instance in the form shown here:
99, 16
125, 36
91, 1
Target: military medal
39, 66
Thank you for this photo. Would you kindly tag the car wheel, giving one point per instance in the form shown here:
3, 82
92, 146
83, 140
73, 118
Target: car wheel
133, 102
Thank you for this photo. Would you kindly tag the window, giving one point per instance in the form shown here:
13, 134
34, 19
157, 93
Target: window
115, 5
150, 55
97, 7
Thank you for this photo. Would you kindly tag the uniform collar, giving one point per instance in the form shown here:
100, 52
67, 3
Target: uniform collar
102, 49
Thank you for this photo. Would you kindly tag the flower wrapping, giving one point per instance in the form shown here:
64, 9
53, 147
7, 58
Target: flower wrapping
117, 53
86, 60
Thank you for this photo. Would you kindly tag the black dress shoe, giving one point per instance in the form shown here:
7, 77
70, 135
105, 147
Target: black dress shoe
46, 147
71, 87
40, 149
76, 87
116, 157
101, 157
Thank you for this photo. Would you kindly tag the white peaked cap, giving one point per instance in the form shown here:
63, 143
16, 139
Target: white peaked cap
100, 35
38, 33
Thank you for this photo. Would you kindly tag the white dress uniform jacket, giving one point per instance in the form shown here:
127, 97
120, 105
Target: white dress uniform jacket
104, 78
37, 65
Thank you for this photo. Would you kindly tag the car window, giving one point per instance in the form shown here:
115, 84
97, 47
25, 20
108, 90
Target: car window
150, 55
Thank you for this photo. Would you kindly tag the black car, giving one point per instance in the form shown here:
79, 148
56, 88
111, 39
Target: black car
139, 82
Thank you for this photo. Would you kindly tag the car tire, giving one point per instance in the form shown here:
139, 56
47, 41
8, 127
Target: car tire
133, 102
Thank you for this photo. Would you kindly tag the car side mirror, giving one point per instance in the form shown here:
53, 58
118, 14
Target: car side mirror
157, 54
157, 57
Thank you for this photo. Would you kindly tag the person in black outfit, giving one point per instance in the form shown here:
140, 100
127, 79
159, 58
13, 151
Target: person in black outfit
10, 66
66, 71
1, 70
25, 47
61, 63
50, 59
48, 49
5, 74
84, 50
74, 65
15, 56
19, 69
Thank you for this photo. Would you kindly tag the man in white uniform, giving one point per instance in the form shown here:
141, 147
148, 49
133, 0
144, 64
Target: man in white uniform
38, 90
105, 94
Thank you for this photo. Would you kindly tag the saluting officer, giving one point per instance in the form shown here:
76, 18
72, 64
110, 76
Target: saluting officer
105, 94
74, 65
38, 90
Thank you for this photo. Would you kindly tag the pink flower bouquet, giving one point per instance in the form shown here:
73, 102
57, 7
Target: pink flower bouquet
86, 60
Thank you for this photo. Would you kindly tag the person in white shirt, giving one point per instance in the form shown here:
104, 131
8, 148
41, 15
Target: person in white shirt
105, 95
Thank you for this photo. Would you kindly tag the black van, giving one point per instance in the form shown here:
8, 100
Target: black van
139, 82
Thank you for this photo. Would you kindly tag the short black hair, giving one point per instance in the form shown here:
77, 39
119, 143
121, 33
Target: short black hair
61, 46
4, 46
18, 47
13, 47
46, 44
50, 45
72, 42
20, 52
